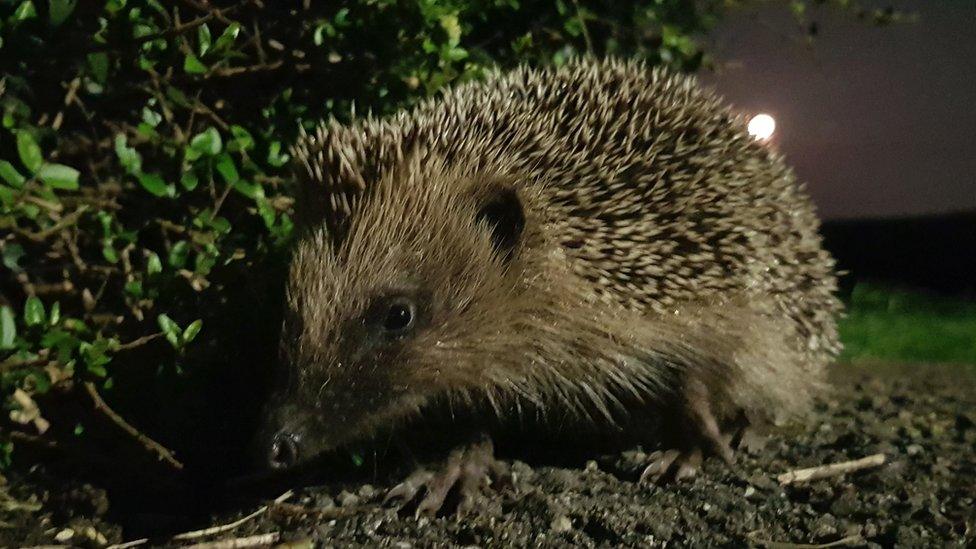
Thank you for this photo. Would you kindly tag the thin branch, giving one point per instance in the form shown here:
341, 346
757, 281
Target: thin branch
64, 223
831, 470
139, 342
230, 526
150, 444
214, 529
855, 539
259, 540
582, 22
224, 72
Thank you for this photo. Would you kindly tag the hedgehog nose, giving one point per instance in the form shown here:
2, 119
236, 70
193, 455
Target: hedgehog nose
284, 451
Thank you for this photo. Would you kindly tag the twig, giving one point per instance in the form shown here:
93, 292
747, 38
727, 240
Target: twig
240, 543
230, 526
32, 439
831, 470
224, 72
582, 22
150, 444
50, 206
138, 342
214, 529
65, 222
855, 539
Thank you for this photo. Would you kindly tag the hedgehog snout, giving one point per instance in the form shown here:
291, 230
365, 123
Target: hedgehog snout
290, 435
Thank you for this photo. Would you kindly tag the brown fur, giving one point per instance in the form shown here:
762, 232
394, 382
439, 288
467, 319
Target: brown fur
661, 243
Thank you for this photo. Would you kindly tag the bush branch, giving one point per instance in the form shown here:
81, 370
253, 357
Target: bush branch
150, 444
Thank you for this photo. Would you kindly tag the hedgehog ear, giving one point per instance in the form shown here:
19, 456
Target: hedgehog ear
502, 212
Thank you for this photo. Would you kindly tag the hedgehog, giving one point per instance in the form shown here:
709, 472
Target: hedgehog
589, 241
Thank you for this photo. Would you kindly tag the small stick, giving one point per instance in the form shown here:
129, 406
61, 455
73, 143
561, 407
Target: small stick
230, 526
212, 530
239, 543
150, 444
831, 470
856, 539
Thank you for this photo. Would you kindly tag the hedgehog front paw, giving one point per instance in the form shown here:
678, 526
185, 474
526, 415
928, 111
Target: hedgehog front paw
469, 468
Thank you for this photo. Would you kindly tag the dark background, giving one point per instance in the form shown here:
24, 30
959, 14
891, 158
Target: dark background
880, 122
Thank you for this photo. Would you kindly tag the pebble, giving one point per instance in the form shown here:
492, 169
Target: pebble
367, 492
561, 524
347, 499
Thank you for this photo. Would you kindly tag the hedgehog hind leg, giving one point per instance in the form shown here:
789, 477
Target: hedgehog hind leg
694, 434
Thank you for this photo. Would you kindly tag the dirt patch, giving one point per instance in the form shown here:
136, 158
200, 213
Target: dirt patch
920, 417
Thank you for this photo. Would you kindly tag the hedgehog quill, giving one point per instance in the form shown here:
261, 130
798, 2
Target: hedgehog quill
586, 240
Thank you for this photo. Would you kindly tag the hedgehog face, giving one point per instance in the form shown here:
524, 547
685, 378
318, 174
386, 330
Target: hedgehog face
396, 312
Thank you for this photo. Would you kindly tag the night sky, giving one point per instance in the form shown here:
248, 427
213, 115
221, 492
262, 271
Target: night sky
877, 121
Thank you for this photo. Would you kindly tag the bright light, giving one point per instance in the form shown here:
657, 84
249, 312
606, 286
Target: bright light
762, 126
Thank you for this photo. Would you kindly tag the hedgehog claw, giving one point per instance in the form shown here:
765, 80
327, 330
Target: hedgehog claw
672, 465
468, 469
701, 437
407, 490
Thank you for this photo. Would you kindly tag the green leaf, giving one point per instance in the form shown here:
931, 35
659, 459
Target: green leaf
95, 356
205, 143
8, 328
254, 191
59, 176
29, 151
12, 253
242, 139
226, 38
453, 29
98, 65
133, 288
24, 11
156, 185
7, 196
41, 381
221, 225
34, 311
130, 158
192, 65
60, 10
153, 264
191, 331
170, 329
189, 180
55, 315
109, 253
178, 255
275, 157
226, 168
203, 37
10, 174
151, 117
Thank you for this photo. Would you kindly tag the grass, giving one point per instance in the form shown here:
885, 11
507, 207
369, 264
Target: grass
904, 326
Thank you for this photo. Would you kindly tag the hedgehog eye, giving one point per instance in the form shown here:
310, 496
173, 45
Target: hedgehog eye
399, 317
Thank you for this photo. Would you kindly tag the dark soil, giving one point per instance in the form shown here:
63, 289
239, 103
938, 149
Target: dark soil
920, 417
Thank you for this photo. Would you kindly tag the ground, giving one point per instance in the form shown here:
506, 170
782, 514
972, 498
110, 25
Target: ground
921, 417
